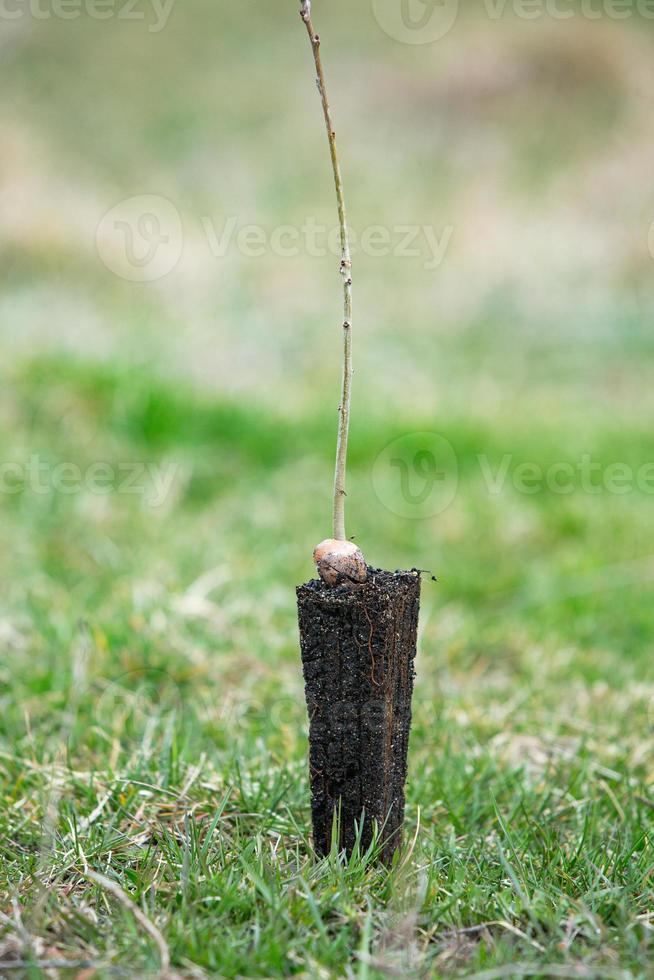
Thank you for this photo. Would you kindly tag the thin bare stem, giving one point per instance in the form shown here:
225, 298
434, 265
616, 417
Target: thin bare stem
346, 272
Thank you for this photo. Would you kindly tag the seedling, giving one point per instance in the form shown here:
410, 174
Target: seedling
358, 628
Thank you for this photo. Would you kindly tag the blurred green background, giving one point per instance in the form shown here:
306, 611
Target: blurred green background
148, 634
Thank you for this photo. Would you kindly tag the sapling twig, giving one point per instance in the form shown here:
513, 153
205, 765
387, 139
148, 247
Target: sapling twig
358, 641
330, 555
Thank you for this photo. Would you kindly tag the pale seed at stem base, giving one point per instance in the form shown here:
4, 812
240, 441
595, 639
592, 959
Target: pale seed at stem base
339, 562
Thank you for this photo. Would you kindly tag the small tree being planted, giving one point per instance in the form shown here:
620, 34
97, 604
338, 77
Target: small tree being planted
358, 628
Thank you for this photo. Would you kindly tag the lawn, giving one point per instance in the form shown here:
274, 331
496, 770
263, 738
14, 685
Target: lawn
167, 453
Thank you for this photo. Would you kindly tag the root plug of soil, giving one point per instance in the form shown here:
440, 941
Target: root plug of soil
358, 648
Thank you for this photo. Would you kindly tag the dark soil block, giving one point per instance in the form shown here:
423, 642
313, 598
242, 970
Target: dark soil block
358, 649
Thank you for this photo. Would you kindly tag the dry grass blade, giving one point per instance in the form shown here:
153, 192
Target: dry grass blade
114, 889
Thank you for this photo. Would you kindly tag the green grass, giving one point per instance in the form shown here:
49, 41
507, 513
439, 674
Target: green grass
152, 721
155, 731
